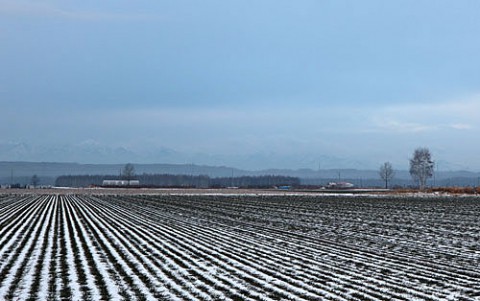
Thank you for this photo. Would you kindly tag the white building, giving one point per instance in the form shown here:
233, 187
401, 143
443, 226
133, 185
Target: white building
120, 183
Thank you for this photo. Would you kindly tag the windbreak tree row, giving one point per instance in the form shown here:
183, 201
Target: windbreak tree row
167, 180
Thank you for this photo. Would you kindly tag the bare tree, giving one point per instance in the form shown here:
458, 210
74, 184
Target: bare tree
421, 166
128, 172
386, 173
35, 180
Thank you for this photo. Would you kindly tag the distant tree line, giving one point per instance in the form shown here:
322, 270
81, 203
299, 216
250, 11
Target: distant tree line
252, 182
168, 180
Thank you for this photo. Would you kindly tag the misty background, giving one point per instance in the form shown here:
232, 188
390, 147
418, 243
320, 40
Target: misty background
247, 84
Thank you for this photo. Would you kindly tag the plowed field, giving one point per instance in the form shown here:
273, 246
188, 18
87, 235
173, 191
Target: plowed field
200, 247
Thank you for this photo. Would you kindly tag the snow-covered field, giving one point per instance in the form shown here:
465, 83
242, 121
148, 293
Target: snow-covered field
238, 247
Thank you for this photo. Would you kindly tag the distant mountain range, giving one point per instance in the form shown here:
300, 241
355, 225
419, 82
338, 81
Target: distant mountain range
97, 153
21, 172
94, 152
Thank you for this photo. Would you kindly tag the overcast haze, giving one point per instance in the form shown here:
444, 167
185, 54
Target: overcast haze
250, 84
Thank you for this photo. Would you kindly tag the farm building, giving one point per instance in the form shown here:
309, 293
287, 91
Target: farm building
340, 185
120, 183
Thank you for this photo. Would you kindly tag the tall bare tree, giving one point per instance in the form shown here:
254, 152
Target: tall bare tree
421, 166
128, 171
386, 173
35, 180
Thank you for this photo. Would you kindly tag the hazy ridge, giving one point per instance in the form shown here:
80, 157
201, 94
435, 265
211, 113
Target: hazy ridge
21, 172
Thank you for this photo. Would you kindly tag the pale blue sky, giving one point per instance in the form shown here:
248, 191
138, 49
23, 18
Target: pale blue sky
299, 81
